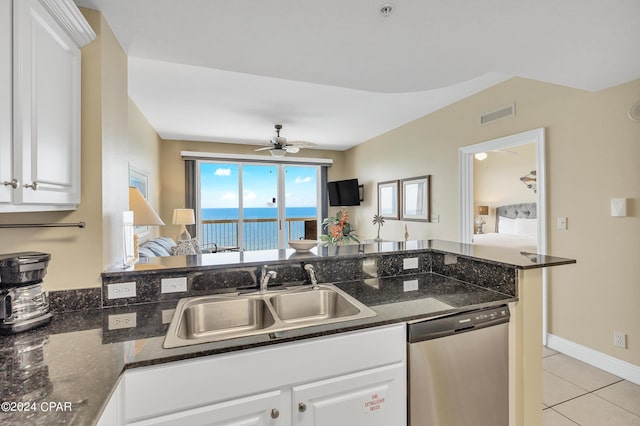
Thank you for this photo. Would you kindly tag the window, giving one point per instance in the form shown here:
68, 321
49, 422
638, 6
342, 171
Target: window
256, 206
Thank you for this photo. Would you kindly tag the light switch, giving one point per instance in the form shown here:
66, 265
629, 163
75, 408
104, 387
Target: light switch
562, 222
618, 207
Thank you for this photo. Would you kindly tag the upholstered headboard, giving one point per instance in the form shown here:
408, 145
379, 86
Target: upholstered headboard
514, 211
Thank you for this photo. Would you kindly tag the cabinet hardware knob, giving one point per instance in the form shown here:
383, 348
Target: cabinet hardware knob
302, 407
33, 185
275, 413
12, 183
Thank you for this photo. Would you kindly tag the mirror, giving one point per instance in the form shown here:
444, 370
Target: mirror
388, 199
416, 198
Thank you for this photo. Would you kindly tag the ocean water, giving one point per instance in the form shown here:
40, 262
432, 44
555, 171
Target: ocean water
257, 235
257, 213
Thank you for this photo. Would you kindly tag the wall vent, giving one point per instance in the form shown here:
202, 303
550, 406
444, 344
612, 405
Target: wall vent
508, 111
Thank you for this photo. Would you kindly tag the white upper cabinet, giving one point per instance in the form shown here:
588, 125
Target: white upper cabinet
6, 172
45, 149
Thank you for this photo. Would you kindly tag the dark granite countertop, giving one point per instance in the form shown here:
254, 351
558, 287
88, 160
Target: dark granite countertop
76, 361
498, 256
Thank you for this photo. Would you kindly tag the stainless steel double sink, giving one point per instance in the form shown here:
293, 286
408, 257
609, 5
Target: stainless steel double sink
219, 317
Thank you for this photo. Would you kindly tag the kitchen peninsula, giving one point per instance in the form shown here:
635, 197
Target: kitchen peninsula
81, 356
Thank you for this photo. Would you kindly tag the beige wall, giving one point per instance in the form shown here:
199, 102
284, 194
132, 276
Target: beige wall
593, 154
144, 155
114, 81
172, 167
496, 180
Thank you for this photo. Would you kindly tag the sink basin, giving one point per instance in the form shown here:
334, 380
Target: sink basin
312, 305
213, 318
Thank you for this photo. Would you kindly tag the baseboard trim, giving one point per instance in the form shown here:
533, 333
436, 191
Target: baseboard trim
604, 362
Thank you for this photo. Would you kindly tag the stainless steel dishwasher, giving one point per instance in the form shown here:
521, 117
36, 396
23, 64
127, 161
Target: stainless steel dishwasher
459, 369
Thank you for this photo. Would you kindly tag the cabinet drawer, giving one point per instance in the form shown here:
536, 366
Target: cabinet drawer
265, 409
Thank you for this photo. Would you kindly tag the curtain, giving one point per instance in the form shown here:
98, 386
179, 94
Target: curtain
190, 191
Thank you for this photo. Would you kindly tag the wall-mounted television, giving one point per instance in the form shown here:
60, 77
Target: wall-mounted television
344, 193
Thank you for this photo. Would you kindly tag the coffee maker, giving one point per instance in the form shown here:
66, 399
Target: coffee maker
23, 302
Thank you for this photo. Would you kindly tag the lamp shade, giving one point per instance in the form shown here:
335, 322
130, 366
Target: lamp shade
183, 217
483, 210
143, 213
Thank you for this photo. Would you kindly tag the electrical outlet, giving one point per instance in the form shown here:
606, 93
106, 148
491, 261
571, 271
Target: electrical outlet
411, 285
619, 339
173, 285
562, 222
435, 218
410, 263
122, 321
117, 291
450, 259
167, 315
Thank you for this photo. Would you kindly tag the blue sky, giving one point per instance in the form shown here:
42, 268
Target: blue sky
219, 183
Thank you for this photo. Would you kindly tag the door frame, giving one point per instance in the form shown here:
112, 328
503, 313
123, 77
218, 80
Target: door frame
465, 156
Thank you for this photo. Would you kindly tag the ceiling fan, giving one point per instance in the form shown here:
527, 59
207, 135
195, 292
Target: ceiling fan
278, 145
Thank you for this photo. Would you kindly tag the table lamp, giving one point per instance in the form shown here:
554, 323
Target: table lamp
184, 217
143, 214
482, 210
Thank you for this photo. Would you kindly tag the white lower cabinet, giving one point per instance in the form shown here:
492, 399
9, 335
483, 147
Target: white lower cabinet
355, 379
369, 398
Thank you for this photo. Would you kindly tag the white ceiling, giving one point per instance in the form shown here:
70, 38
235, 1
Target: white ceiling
337, 73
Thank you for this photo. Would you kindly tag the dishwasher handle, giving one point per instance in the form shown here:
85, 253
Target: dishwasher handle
457, 323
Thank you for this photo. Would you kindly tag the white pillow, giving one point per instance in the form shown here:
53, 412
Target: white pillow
527, 227
506, 225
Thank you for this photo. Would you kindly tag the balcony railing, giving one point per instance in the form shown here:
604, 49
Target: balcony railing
259, 234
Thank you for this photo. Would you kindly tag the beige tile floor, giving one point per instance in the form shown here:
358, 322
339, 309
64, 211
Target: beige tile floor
575, 393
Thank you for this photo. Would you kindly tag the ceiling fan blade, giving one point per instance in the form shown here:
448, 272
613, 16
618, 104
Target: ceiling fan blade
263, 148
301, 144
292, 149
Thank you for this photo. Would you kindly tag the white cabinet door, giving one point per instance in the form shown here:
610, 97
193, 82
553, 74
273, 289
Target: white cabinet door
46, 116
375, 397
6, 152
267, 409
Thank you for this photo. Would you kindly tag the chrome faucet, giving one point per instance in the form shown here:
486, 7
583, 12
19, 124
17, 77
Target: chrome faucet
312, 276
264, 278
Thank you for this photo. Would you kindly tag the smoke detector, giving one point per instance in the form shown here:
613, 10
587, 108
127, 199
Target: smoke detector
386, 9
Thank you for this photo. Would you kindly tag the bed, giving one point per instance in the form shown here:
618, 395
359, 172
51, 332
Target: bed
516, 228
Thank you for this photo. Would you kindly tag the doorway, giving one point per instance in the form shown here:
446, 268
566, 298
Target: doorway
466, 155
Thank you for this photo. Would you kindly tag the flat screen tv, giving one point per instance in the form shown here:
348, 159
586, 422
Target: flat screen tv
344, 193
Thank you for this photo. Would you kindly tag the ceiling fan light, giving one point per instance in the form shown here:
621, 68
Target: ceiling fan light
277, 152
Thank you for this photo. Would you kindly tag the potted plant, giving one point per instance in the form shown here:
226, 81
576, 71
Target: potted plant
339, 230
378, 220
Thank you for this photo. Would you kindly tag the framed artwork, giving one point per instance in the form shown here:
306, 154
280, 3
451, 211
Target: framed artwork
388, 200
140, 180
416, 198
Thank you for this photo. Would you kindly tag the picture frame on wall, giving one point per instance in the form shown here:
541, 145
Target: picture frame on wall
389, 200
416, 198
140, 180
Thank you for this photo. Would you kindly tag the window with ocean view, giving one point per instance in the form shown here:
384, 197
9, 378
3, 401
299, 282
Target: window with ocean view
251, 206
